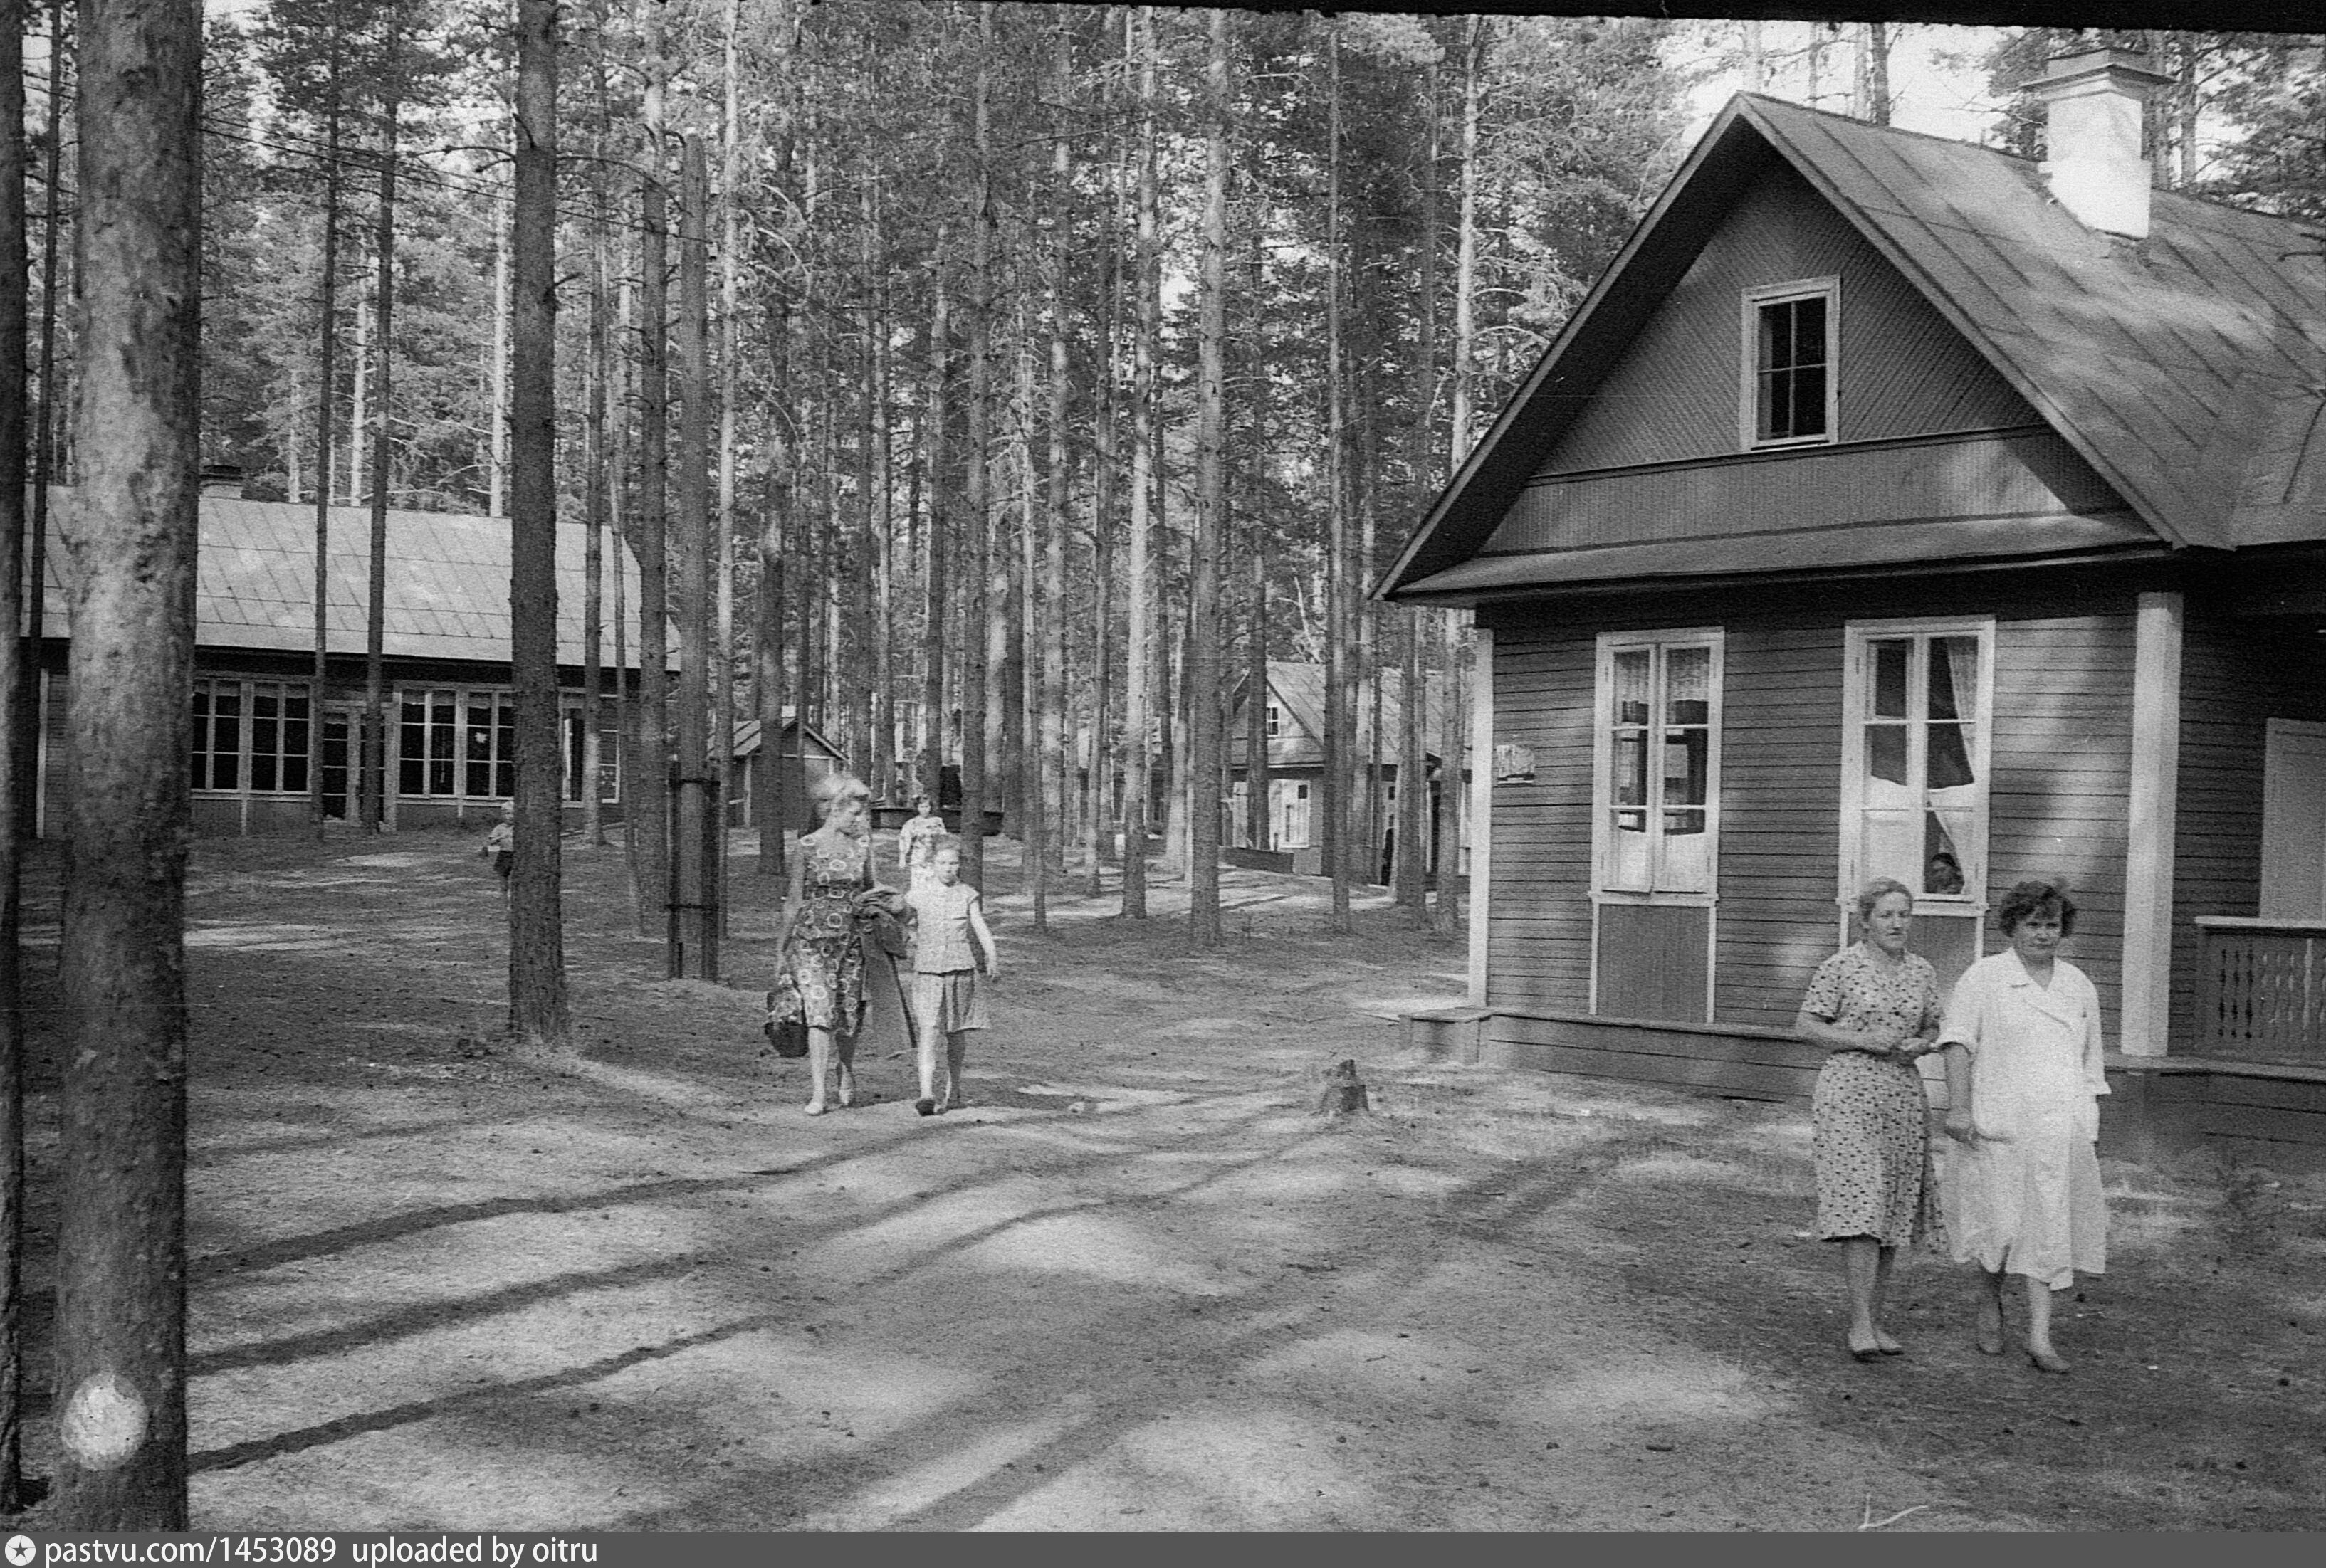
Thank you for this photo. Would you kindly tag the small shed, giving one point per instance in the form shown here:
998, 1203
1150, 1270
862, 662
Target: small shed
1898, 507
803, 744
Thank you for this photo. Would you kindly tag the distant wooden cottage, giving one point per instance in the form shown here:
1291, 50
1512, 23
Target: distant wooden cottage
1897, 507
818, 759
451, 740
1294, 720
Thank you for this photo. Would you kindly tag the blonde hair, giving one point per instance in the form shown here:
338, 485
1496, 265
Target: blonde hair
833, 788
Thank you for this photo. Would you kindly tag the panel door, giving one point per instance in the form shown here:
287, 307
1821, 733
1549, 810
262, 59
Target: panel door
2294, 821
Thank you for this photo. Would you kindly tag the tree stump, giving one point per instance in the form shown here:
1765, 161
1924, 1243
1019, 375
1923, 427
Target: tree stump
1344, 1092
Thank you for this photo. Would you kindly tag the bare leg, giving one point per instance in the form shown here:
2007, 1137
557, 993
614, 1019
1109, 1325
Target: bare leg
956, 1049
926, 1052
2039, 1328
844, 1046
1990, 1313
1860, 1263
819, 1058
1881, 1339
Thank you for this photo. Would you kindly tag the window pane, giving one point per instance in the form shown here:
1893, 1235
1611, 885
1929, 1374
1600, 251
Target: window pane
1942, 858
1631, 703
1627, 783
411, 756
1628, 854
1893, 846
1886, 753
1686, 753
294, 774
1808, 331
1888, 688
479, 771
226, 740
1948, 758
1687, 865
1807, 402
1688, 686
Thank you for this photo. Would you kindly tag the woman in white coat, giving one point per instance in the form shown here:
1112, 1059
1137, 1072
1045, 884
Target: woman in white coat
2022, 1192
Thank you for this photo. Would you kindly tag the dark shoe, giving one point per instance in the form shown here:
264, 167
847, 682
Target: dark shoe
1867, 1355
925, 1107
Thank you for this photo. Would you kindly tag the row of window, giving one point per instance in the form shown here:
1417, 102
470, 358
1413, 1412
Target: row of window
257, 737
1916, 698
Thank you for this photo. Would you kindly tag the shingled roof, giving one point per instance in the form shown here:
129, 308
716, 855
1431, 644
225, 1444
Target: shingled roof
447, 581
2188, 369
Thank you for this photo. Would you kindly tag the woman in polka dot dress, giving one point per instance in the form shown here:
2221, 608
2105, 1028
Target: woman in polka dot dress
1877, 1006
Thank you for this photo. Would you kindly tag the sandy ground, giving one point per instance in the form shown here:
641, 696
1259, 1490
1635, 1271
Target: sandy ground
1138, 1284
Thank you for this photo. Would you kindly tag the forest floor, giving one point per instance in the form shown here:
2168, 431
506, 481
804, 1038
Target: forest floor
1136, 1284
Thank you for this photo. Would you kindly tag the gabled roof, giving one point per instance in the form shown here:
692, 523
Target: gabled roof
747, 736
2189, 369
448, 582
1299, 688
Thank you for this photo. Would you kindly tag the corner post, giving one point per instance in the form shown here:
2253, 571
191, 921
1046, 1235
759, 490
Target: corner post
1482, 804
2146, 1008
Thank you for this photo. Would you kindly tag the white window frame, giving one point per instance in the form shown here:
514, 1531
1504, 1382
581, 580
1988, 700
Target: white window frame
1273, 719
246, 690
1748, 424
1857, 673
1603, 747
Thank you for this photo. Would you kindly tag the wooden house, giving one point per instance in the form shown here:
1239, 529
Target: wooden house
816, 754
1893, 506
451, 720
1294, 722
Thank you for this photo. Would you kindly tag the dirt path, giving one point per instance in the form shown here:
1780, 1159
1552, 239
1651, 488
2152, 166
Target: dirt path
1136, 1285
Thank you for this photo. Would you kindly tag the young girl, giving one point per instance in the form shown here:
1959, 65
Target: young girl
946, 1002
500, 845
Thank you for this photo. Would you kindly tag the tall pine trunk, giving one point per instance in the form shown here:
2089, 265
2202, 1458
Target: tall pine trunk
935, 536
1466, 294
1255, 719
327, 374
1049, 748
121, 1250
695, 933
975, 641
1138, 656
650, 789
15, 297
375, 713
1412, 762
538, 1019
1206, 668
1336, 739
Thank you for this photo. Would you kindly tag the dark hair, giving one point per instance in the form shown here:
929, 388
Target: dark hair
2035, 897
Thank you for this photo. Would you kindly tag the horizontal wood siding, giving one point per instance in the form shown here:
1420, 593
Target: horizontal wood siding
1538, 942
2030, 474
1780, 802
2059, 796
2060, 790
1745, 1066
1902, 370
2234, 677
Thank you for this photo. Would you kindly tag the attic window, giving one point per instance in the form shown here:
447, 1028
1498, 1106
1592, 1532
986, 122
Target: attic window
1274, 718
1791, 333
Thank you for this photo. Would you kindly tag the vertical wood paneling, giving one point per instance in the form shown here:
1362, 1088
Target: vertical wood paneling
1539, 942
2235, 678
1652, 961
1902, 370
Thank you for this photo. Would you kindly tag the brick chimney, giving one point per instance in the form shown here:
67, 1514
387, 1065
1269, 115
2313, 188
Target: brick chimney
2092, 100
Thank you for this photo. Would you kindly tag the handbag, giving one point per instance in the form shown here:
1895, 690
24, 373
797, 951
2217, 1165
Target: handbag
787, 1024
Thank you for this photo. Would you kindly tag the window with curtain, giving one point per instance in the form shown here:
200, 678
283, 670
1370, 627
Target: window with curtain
1657, 792
1790, 363
1914, 788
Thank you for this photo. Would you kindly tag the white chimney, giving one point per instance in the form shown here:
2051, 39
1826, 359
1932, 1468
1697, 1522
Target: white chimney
2092, 101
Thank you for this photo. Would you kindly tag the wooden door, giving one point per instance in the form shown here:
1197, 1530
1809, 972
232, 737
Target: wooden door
2294, 821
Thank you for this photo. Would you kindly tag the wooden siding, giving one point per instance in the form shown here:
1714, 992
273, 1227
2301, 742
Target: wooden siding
2234, 677
2030, 473
2058, 797
1902, 370
1652, 961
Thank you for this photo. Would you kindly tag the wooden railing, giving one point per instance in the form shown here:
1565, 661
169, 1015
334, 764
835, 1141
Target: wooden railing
2261, 995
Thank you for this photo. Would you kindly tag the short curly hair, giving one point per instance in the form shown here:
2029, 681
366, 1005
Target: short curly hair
1880, 889
2036, 896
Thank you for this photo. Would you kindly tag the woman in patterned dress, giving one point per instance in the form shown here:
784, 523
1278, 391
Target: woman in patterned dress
820, 971
1877, 1006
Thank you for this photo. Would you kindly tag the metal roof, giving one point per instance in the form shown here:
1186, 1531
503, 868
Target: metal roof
447, 590
2188, 369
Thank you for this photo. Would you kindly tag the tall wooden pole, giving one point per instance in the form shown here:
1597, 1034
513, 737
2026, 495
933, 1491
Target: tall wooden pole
975, 760
538, 1017
1138, 660
327, 333
375, 714
121, 1259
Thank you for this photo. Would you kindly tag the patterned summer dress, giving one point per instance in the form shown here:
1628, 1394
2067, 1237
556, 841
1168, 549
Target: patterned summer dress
823, 979
1872, 1132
